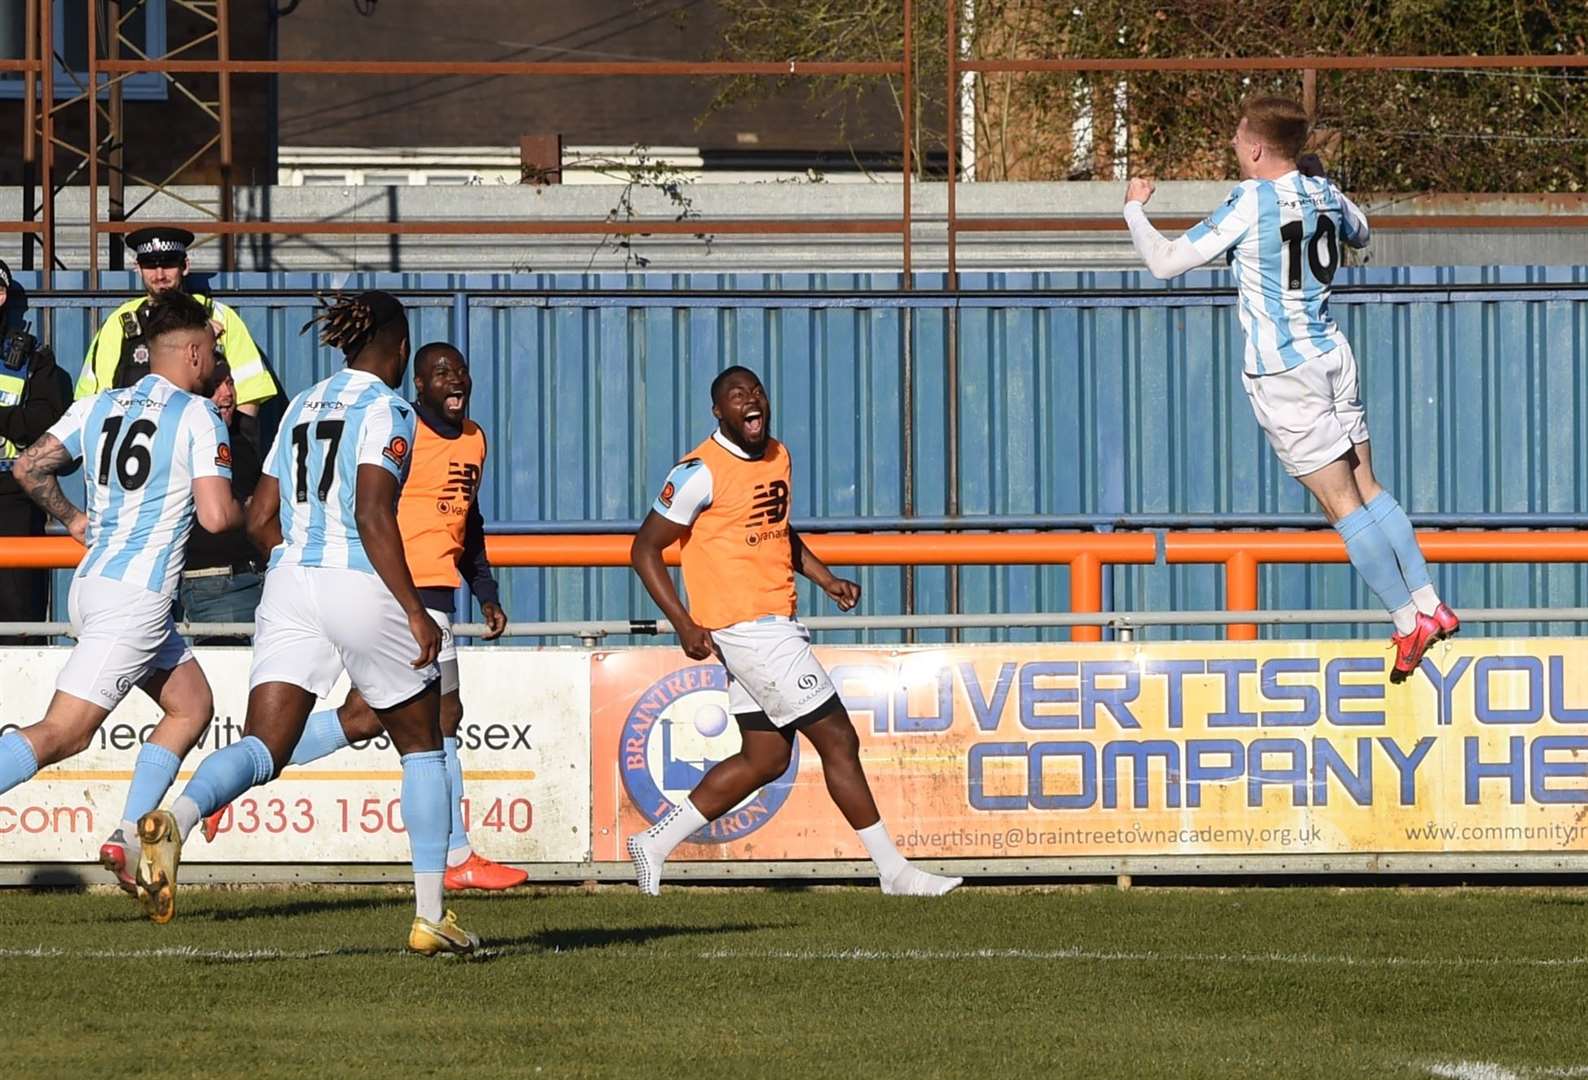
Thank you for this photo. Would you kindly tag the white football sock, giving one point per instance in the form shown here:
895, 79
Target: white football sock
1425, 599
129, 830
427, 897
682, 822
1405, 619
879, 845
650, 849
187, 815
913, 881
459, 855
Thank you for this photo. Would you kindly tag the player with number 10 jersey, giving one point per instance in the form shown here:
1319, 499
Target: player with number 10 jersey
1281, 231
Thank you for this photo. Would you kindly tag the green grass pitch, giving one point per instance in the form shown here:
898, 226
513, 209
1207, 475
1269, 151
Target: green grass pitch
1483, 984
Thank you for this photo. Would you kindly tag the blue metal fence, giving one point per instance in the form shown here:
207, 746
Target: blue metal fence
1109, 398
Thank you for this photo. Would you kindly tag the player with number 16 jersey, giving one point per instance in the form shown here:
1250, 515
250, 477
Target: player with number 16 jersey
155, 454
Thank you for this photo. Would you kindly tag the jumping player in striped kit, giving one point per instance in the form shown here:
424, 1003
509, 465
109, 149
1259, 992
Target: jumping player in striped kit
155, 455
1281, 230
728, 504
338, 596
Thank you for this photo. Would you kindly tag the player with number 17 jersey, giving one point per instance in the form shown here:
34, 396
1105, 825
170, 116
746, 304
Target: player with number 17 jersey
327, 432
320, 572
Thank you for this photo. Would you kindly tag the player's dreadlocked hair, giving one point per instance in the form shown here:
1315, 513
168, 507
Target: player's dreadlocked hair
350, 323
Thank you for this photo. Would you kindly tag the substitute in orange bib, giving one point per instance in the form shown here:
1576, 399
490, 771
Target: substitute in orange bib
728, 504
444, 542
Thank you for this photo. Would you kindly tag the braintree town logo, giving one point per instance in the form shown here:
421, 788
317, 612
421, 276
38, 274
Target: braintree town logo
677, 730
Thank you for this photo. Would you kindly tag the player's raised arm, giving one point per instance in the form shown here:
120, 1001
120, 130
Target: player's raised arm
1353, 223
1209, 239
656, 535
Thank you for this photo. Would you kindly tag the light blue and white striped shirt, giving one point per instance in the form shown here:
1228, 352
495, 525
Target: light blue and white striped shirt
327, 432
142, 448
1282, 239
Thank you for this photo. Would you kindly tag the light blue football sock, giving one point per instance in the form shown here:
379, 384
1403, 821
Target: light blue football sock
228, 773
1397, 529
425, 797
18, 765
458, 840
152, 776
322, 736
1374, 559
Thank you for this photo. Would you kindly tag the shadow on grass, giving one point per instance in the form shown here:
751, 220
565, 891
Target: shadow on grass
318, 905
538, 943
583, 939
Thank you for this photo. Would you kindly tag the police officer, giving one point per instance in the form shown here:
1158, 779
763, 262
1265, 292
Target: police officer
118, 357
33, 395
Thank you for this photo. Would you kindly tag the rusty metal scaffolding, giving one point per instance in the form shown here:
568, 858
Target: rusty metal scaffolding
40, 141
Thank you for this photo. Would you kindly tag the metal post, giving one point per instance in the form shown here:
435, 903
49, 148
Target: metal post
30, 167
951, 319
907, 436
47, 179
906, 314
909, 119
1240, 593
1086, 593
951, 282
951, 464
223, 47
1309, 94
93, 143
117, 163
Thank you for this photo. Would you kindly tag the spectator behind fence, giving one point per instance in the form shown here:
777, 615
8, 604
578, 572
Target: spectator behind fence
33, 395
224, 576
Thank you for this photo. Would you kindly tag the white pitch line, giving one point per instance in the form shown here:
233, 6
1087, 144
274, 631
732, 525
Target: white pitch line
1489, 1070
169, 952
190, 952
1305, 959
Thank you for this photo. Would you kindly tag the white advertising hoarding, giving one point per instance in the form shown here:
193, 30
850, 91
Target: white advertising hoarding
526, 770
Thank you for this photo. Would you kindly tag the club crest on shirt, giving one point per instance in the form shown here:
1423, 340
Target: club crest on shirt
223, 455
397, 450
666, 497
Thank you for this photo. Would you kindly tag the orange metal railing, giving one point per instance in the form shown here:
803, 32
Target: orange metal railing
1086, 554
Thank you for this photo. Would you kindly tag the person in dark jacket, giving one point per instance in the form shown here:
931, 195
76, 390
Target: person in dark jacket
34, 393
223, 580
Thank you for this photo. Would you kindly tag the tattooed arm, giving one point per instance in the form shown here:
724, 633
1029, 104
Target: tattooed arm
37, 472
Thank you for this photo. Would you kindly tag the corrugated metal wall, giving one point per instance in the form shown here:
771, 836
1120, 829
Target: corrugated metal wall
1077, 393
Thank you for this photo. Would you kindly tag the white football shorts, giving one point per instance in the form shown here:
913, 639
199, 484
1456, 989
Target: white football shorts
124, 634
315, 621
1313, 413
772, 671
447, 659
